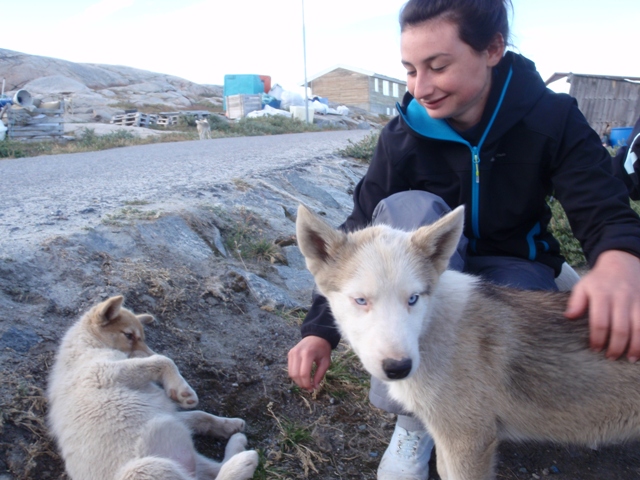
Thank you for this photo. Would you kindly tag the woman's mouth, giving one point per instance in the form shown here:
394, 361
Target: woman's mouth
433, 104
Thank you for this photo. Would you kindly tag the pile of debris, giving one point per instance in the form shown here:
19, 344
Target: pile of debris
27, 119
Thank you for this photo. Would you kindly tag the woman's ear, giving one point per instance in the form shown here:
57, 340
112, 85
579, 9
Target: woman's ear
495, 50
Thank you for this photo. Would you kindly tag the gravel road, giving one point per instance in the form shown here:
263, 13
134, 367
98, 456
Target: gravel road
52, 195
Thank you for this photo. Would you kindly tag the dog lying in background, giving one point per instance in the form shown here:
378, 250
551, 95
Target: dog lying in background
475, 362
204, 129
113, 407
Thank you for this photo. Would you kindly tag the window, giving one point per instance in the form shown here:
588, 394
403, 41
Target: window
388, 111
395, 90
385, 88
375, 85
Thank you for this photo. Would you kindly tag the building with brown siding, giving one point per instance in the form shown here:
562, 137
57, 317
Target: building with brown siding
605, 100
359, 88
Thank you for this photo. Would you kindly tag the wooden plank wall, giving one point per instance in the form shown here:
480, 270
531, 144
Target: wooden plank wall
606, 101
343, 86
356, 89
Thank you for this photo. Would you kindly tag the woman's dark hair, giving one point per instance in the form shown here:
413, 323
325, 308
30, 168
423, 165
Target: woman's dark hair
478, 21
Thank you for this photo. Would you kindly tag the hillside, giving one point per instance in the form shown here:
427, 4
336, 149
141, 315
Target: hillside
100, 90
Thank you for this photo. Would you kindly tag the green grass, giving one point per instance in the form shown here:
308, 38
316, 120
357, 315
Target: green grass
128, 215
362, 150
244, 236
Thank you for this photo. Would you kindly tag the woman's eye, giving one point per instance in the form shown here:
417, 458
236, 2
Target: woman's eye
438, 69
360, 301
413, 299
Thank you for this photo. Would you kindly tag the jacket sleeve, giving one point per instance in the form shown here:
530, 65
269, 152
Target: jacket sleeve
596, 201
380, 181
383, 178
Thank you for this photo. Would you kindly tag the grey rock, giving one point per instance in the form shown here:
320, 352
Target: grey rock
267, 294
20, 340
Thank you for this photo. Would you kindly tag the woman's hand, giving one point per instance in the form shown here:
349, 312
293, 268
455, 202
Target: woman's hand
309, 351
610, 293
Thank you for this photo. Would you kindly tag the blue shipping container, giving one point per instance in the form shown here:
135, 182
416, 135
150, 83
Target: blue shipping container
241, 84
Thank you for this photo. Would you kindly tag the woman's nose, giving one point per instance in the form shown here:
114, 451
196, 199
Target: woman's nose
422, 86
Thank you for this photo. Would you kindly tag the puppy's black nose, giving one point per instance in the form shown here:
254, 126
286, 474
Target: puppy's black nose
396, 369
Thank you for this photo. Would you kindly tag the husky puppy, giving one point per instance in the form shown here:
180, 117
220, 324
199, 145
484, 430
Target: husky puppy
475, 362
113, 407
204, 130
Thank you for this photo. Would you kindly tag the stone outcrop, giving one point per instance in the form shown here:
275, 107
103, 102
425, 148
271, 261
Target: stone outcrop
89, 86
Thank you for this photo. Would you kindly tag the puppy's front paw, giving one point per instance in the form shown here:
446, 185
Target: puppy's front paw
184, 395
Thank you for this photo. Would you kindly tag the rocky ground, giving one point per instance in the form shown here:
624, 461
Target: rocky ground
228, 287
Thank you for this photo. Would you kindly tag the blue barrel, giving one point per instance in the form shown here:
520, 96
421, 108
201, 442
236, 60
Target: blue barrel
619, 136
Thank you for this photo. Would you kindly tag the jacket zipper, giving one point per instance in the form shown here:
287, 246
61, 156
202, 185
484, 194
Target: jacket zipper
475, 193
475, 171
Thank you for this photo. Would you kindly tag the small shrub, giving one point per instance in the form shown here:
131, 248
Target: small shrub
362, 150
559, 227
12, 149
187, 121
218, 123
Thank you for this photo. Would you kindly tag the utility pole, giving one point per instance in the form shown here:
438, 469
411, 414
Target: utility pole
304, 54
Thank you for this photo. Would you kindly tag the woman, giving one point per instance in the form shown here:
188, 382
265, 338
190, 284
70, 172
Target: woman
478, 127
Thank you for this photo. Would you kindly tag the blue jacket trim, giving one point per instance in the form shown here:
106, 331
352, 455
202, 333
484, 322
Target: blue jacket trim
532, 242
418, 119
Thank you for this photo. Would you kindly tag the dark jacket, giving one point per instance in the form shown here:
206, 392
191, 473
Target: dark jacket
529, 144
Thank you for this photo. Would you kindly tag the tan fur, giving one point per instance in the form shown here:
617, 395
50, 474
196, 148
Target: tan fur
113, 411
204, 130
477, 363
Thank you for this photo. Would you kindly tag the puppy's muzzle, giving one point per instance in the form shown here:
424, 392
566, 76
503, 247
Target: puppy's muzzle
396, 369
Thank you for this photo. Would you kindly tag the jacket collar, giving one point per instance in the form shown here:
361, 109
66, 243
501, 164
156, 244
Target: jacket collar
516, 88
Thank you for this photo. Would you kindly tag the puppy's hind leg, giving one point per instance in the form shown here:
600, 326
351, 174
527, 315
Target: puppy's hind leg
241, 466
168, 438
206, 424
241, 463
152, 468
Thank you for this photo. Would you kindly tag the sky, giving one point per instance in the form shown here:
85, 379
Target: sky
203, 40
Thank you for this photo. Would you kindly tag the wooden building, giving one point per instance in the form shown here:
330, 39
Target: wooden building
605, 100
359, 88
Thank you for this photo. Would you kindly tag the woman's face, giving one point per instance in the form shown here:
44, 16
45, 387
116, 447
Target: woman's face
448, 77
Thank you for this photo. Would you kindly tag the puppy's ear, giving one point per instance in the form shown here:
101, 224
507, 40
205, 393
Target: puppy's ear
145, 319
439, 241
109, 310
318, 241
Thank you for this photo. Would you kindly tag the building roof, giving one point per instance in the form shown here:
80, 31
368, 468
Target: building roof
362, 71
558, 76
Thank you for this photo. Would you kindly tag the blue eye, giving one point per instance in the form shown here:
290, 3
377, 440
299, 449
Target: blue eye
413, 299
360, 301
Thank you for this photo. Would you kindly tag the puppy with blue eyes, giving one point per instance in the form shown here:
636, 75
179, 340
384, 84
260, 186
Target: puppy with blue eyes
477, 363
